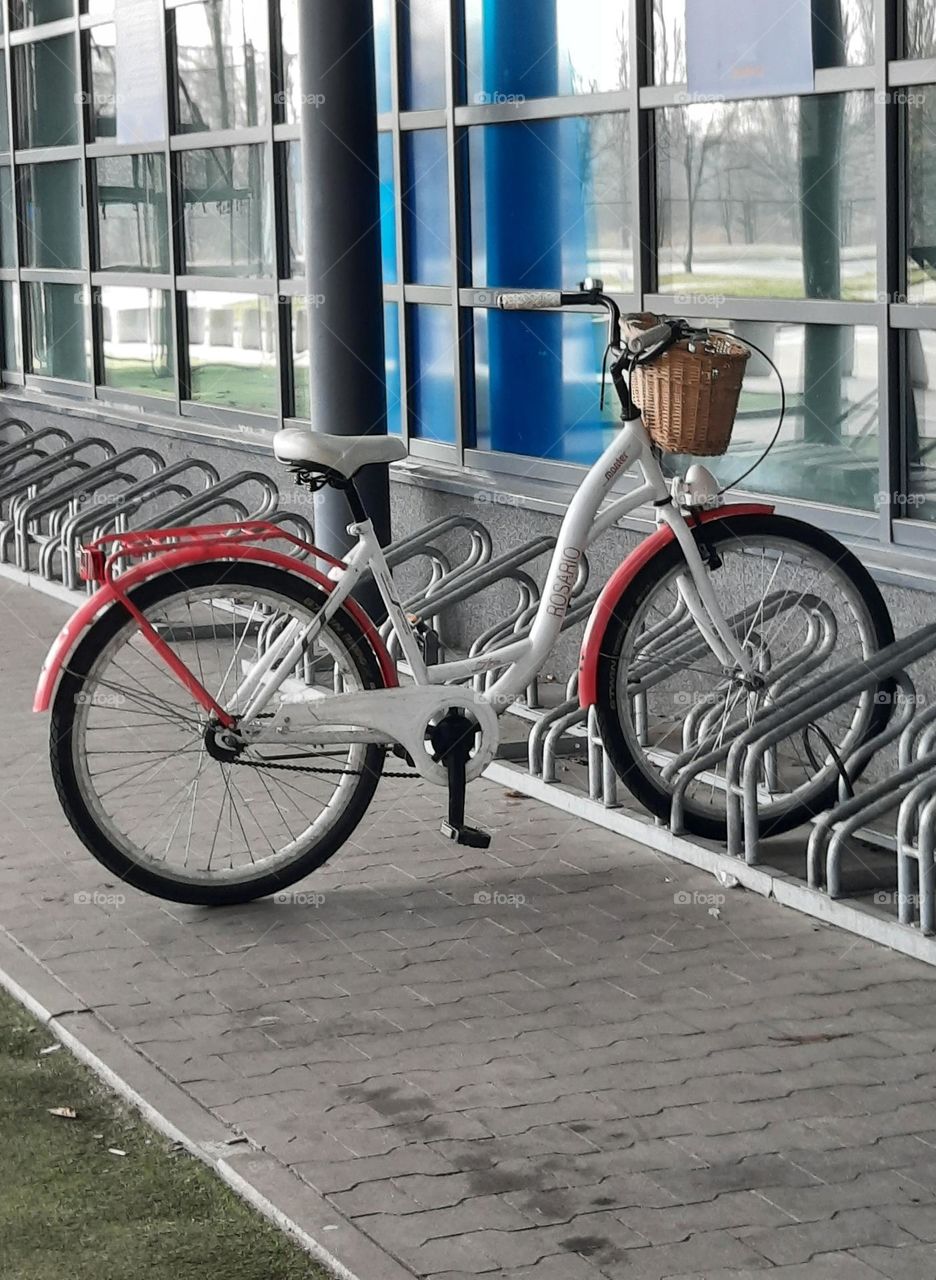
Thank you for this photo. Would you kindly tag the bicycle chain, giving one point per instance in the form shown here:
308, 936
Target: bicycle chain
320, 769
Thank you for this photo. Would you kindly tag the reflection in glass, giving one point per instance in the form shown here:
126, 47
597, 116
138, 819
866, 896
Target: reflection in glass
137, 333
921, 203
58, 328
132, 223
102, 57
289, 96
46, 87
223, 54
300, 350
4, 118
422, 25
7, 218
9, 322
432, 374
232, 350
228, 212
425, 206
31, 13
295, 208
52, 215
768, 198
554, 414
843, 35
920, 498
828, 449
550, 202
544, 48
921, 29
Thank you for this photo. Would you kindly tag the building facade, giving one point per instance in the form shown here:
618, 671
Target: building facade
151, 262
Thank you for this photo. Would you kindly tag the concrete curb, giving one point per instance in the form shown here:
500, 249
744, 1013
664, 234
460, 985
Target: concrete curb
260, 1179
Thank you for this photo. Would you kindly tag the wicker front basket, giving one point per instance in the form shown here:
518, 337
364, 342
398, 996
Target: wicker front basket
689, 396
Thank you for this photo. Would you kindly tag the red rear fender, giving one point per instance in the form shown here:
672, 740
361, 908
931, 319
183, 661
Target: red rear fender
85, 615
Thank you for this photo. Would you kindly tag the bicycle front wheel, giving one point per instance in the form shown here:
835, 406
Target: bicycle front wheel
138, 770
800, 604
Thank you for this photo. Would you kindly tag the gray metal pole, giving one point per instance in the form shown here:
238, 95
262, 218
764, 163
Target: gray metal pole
342, 246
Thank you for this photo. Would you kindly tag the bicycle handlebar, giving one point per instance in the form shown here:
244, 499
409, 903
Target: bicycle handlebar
536, 300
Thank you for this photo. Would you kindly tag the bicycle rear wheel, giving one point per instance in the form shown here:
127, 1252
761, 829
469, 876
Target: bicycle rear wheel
137, 768
800, 604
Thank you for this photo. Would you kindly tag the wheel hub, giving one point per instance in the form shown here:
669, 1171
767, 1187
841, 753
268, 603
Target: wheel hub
222, 744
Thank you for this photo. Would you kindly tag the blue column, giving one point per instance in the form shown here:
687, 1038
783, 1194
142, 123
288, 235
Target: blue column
523, 229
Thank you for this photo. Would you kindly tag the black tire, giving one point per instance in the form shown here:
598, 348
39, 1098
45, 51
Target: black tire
64, 743
647, 787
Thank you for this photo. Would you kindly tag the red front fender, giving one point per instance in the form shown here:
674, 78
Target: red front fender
86, 614
619, 582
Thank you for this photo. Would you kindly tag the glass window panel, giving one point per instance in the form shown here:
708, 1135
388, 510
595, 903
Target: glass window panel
132, 221
288, 97
232, 350
137, 332
920, 498
295, 208
102, 101
9, 320
300, 349
228, 212
58, 327
7, 218
538, 385
223, 57
543, 48
550, 203
4, 118
98, 8
921, 29
432, 374
769, 198
843, 35
52, 215
921, 190
30, 13
46, 86
423, 81
425, 203
828, 449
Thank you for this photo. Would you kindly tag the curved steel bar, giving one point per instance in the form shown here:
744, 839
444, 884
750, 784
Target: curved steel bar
926, 854
909, 827
77, 489
896, 727
817, 696
853, 813
539, 731
558, 726
48, 466
16, 450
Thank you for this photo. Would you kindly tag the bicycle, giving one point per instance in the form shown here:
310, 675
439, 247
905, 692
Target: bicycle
222, 710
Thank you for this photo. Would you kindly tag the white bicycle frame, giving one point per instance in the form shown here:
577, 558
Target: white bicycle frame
401, 715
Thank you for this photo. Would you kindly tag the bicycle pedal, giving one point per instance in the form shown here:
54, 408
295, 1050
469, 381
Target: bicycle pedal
472, 837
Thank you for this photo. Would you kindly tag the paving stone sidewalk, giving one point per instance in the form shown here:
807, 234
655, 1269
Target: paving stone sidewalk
565, 1058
